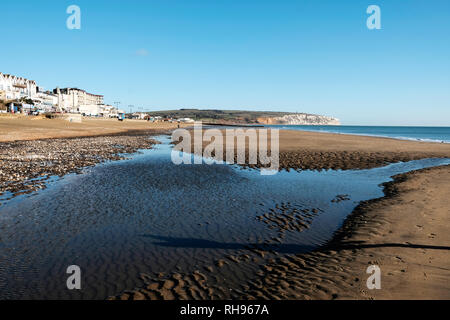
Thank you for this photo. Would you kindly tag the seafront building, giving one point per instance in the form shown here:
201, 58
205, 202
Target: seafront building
46, 101
16, 88
139, 116
23, 95
75, 100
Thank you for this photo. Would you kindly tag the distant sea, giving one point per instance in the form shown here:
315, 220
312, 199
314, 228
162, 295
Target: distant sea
430, 134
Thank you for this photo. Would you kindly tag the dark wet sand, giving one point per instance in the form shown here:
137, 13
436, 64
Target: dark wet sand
405, 233
301, 150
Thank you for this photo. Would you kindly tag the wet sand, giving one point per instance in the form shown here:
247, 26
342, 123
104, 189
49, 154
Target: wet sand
302, 150
405, 233
314, 150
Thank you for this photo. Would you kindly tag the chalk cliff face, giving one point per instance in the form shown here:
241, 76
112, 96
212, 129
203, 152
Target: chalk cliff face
301, 119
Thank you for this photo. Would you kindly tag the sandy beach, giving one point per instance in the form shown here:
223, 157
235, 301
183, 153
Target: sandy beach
301, 150
15, 128
313, 150
405, 233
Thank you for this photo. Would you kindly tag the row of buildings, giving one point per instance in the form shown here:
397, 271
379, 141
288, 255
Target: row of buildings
23, 95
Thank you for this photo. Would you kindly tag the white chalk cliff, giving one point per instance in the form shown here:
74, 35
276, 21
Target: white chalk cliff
301, 119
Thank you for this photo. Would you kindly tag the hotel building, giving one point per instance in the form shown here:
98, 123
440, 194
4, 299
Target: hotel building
14, 87
78, 101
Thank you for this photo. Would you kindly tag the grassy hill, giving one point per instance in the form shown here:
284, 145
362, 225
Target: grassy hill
235, 116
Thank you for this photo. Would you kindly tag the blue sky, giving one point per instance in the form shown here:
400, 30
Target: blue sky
307, 56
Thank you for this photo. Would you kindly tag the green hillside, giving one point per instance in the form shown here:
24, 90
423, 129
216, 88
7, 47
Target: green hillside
218, 115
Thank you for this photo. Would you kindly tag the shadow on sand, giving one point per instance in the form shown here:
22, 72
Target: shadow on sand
210, 244
278, 247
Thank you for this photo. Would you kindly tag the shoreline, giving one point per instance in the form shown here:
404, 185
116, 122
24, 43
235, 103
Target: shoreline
305, 150
381, 136
369, 135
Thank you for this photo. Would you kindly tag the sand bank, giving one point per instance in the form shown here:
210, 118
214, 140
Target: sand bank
302, 150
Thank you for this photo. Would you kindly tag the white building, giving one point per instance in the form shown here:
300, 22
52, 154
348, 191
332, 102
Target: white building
91, 110
187, 120
108, 111
46, 101
70, 100
114, 113
78, 101
139, 115
15, 88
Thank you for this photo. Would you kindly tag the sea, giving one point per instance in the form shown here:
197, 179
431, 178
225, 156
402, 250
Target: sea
427, 134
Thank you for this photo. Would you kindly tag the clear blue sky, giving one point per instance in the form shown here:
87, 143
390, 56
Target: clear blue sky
307, 56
